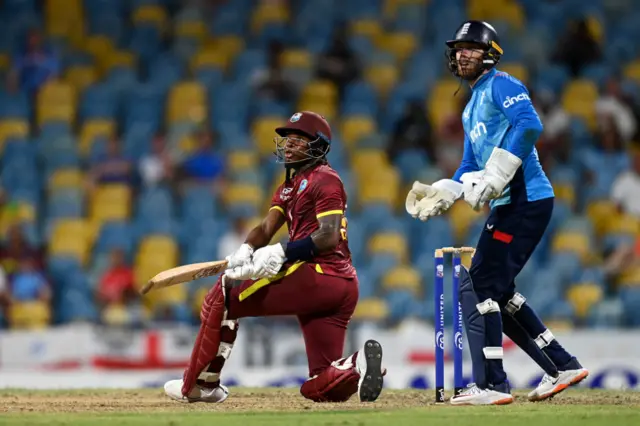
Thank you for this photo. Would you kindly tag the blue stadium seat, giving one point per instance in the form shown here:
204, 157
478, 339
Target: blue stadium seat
99, 102
115, 235
14, 106
155, 203
66, 203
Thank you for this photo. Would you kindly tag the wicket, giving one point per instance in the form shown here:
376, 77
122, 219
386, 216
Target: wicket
439, 319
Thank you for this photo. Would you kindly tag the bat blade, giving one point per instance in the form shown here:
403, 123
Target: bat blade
183, 274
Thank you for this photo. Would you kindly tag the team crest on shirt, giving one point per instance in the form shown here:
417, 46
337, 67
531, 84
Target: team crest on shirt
295, 117
303, 186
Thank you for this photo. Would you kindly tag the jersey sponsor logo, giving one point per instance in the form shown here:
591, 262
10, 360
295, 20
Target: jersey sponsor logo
478, 131
510, 100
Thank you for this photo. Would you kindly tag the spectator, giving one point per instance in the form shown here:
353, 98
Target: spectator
35, 64
233, 238
625, 191
554, 145
613, 103
270, 84
4, 291
204, 165
156, 167
28, 283
116, 289
577, 48
113, 167
16, 249
412, 131
339, 63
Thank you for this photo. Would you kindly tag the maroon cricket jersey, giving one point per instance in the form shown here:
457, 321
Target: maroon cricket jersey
309, 195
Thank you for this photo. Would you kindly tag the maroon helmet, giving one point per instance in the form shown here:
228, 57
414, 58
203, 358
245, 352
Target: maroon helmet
311, 125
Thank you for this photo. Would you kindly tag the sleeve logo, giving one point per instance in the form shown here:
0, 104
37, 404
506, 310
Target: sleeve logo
510, 100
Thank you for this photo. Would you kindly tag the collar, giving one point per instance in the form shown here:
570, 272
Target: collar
482, 80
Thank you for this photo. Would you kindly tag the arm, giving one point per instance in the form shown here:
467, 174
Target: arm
468, 163
262, 234
512, 99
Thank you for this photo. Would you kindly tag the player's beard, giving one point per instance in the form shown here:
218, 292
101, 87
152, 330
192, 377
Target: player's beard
469, 68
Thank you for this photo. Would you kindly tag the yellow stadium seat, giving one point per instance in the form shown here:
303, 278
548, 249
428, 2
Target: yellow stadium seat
72, 237
34, 315
381, 187
441, 102
242, 194
242, 160
150, 14
565, 192
579, 98
56, 102
93, 129
632, 70
511, 13
66, 178
517, 70
356, 127
268, 14
629, 277
5, 62
583, 296
595, 28
368, 162
320, 91
187, 102
370, 28
296, 58
198, 299
98, 46
12, 128
196, 30
559, 324
401, 45
230, 45
461, 217
601, 213
623, 224
327, 110
111, 202
372, 309
157, 253
391, 243
210, 58
573, 242
402, 278
390, 7
119, 59
62, 18
81, 76
383, 78
264, 130
187, 144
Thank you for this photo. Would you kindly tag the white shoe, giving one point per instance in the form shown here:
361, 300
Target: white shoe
369, 367
550, 386
473, 395
173, 389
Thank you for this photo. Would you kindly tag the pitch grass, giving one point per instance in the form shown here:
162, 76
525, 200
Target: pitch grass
285, 407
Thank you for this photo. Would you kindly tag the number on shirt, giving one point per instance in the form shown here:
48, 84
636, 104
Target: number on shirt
343, 228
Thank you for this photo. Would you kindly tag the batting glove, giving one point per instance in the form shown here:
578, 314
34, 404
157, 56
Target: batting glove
268, 260
240, 256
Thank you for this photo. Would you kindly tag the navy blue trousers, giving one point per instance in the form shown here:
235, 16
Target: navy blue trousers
509, 238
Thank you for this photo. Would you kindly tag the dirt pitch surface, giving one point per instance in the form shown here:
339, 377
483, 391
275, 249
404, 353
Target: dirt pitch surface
286, 407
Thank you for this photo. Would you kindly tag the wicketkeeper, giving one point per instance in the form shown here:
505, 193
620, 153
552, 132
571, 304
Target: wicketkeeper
311, 277
500, 166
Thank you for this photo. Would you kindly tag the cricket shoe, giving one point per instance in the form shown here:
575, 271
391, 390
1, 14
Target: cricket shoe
173, 389
550, 386
369, 367
473, 395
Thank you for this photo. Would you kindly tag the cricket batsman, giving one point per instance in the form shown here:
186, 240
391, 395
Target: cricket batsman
500, 166
311, 277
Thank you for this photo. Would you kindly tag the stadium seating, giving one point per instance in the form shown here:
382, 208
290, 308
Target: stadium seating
137, 68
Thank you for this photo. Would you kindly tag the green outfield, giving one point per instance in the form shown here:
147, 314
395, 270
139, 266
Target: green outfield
284, 407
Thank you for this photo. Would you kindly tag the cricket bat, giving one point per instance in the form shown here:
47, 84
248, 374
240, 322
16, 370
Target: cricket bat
183, 274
